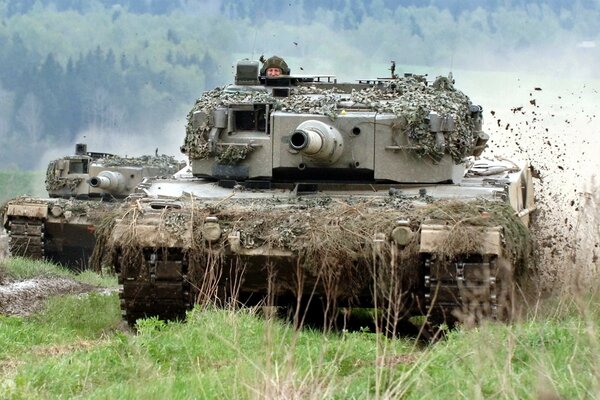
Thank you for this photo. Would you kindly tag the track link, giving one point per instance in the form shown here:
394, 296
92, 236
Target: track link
26, 238
161, 289
466, 289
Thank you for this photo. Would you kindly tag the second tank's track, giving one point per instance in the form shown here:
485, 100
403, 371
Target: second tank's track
164, 291
26, 238
468, 288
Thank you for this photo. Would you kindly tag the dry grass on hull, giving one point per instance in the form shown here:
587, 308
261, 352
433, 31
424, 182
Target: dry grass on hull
335, 255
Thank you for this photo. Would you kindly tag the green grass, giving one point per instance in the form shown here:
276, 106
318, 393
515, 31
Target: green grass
18, 183
78, 348
23, 268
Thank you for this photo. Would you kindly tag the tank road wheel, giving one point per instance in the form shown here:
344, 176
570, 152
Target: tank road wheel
157, 288
26, 238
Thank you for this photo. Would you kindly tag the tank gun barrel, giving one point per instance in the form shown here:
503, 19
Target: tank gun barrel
307, 141
108, 180
317, 140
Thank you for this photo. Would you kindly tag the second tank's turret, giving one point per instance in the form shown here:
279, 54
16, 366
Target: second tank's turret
88, 174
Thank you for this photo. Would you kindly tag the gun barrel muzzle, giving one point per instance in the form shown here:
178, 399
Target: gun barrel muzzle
99, 182
317, 140
110, 181
307, 141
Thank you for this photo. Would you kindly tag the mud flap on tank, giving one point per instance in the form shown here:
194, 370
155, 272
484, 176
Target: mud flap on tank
465, 286
25, 226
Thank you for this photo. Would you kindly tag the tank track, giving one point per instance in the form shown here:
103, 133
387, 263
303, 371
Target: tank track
26, 238
466, 288
166, 293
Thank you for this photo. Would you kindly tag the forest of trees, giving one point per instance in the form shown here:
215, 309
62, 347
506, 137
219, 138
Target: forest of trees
68, 66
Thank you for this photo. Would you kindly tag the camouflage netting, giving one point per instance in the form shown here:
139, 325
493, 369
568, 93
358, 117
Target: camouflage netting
411, 99
102, 253
233, 154
482, 213
196, 139
54, 183
164, 162
331, 239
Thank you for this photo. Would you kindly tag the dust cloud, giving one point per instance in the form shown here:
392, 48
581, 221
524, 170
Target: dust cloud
551, 120
134, 142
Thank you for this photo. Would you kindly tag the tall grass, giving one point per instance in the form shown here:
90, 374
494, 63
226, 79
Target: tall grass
77, 348
23, 268
19, 268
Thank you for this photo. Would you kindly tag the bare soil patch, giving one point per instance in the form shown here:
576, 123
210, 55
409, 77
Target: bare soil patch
29, 296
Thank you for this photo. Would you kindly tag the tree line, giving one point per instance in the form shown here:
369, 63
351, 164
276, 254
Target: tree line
71, 65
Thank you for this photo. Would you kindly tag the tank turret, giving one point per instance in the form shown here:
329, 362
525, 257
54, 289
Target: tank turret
110, 181
95, 175
404, 130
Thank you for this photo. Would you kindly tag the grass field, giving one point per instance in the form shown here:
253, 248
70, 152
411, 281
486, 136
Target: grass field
79, 348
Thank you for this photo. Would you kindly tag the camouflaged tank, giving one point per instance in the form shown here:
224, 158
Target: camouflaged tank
316, 196
83, 189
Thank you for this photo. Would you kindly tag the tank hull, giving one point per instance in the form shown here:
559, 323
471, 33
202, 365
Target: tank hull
61, 231
441, 251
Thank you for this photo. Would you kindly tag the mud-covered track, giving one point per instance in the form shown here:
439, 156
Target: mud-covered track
473, 287
26, 238
159, 287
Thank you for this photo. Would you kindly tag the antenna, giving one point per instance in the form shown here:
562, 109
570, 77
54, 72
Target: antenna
393, 69
450, 75
454, 39
256, 31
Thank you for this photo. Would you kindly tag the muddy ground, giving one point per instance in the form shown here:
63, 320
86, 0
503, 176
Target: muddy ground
29, 296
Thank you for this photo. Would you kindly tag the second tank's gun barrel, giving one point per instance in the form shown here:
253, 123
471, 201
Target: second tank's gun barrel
108, 180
